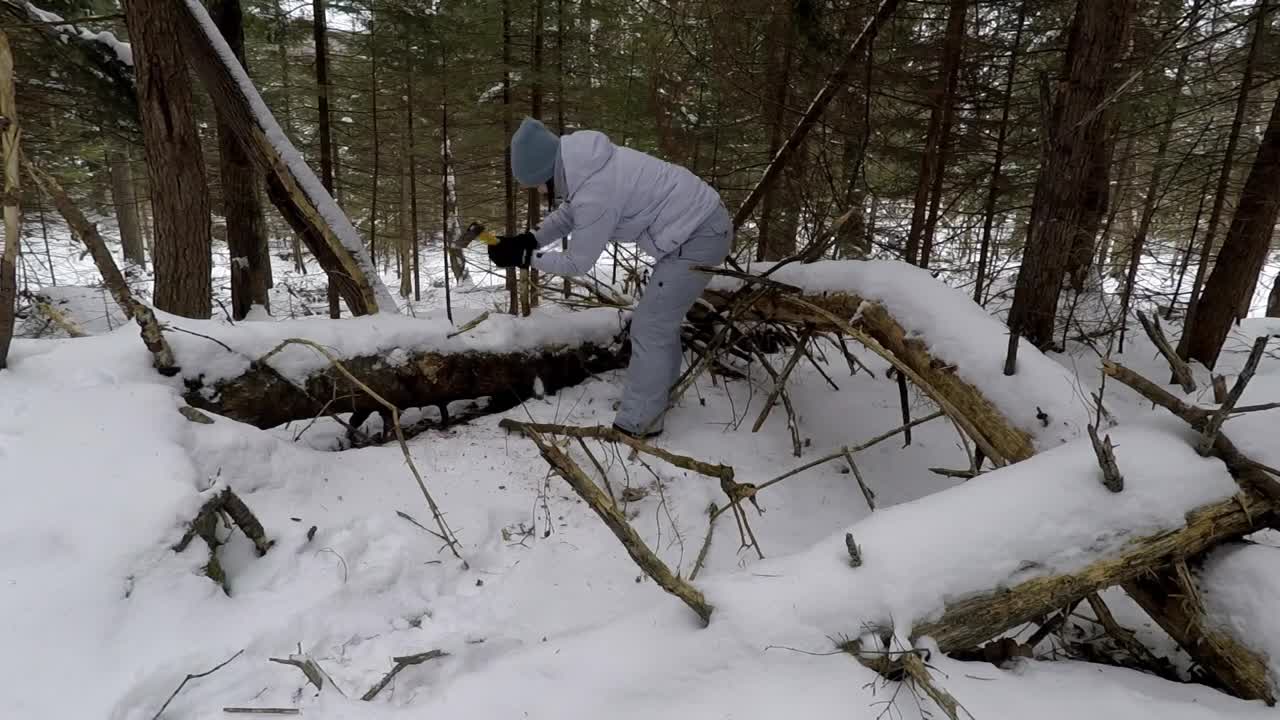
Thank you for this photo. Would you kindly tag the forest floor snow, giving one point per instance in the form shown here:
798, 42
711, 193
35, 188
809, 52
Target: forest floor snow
549, 618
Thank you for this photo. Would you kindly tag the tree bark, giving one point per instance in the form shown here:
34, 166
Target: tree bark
1245, 248
997, 163
533, 216
292, 187
416, 248
933, 163
183, 243
772, 242
1098, 37
320, 32
509, 188
9, 199
126, 205
373, 130
281, 20
1189, 329
1273, 300
241, 205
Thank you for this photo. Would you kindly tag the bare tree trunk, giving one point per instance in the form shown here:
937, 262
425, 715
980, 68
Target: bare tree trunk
183, 244
509, 188
1189, 329
1245, 247
997, 163
126, 206
779, 48
924, 215
1186, 254
1099, 32
1273, 300
406, 223
529, 277
1112, 251
320, 31
450, 226
281, 21
1096, 200
373, 122
12, 219
413, 183
1151, 201
241, 205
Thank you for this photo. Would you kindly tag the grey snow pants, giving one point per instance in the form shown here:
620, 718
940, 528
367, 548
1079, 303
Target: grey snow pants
655, 326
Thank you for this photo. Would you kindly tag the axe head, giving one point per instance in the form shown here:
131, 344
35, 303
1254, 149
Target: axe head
473, 231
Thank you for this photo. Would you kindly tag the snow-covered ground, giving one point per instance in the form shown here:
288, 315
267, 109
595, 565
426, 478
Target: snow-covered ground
548, 617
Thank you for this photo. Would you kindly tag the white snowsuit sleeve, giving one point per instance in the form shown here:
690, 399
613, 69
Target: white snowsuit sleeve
592, 225
557, 224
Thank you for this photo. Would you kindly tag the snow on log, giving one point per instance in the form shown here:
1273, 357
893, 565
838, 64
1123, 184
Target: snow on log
944, 337
1012, 545
410, 362
1237, 585
310, 209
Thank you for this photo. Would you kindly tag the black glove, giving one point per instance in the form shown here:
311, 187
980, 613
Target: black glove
513, 251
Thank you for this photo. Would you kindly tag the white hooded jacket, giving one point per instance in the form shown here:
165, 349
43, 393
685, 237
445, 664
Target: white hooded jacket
619, 194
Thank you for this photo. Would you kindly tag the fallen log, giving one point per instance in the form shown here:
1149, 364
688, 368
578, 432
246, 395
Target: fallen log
974, 620
264, 398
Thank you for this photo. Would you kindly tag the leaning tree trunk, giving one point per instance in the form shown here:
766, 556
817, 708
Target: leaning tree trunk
292, 187
1244, 249
246, 235
126, 205
924, 215
1098, 38
180, 197
1189, 329
1273, 301
12, 229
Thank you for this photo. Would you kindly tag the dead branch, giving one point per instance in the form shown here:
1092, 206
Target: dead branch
162, 355
1181, 370
1105, 451
780, 386
309, 668
189, 678
1126, 638
712, 514
780, 381
261, 711
469, 326
862, 485
1214, 425
613, 518
55, 316
599, 432
449, 538
400, 664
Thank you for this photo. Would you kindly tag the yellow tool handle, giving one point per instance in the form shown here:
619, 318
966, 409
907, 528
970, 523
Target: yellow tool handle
488, 238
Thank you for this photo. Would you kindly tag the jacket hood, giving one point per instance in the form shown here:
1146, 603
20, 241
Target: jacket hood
583, 154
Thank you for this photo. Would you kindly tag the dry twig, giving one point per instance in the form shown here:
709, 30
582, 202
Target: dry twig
189, 678
400, 664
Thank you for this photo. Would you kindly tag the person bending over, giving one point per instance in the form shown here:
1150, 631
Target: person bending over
609, 193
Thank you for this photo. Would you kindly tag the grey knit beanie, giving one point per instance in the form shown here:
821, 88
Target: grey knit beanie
533, 153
